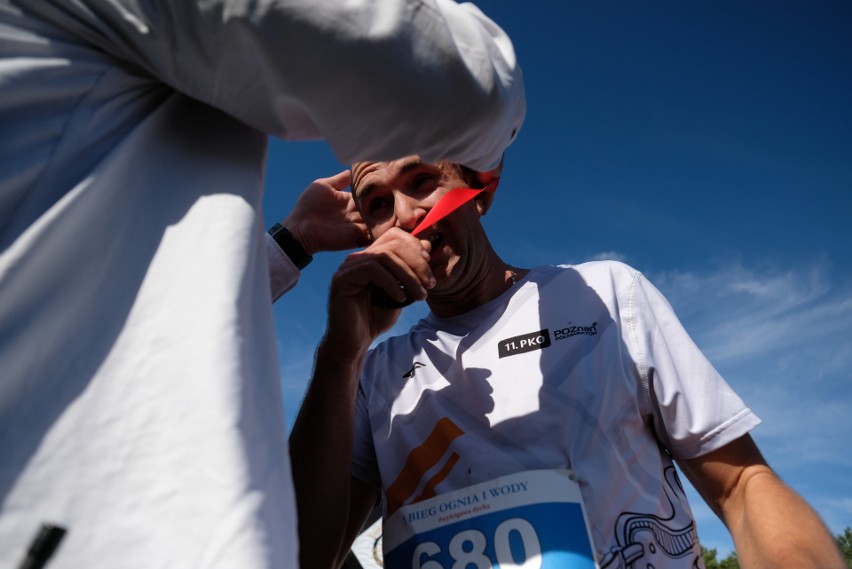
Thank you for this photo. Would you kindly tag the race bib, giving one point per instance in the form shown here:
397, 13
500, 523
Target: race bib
531, 520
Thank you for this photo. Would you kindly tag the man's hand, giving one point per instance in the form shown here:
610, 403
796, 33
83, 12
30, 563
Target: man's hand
396, 259
325, 217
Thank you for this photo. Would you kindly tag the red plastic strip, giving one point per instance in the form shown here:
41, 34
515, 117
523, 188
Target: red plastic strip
451, 201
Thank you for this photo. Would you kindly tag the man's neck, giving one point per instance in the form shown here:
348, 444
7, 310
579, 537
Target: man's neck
488, 279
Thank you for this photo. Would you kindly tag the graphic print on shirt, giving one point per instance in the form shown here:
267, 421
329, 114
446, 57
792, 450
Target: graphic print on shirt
524, 343
410, 373
572, 330
644, 538
419, 462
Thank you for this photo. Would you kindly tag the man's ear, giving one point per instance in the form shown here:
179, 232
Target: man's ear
483, 199
483, 202
475, 179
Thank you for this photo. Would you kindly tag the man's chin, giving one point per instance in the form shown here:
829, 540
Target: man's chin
444, 290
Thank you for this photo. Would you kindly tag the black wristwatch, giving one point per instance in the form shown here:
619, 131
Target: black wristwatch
290, 246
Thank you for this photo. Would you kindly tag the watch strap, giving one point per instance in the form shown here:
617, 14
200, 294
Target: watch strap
291, 247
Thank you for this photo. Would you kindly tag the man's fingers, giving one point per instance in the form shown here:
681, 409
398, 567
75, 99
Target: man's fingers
367, 275
339, 181
391, 288
407, 258
396, 263
409, 275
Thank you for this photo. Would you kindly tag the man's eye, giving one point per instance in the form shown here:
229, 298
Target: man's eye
377, 204
422, 179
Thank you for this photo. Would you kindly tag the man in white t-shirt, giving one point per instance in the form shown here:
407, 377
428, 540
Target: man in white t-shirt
140, 403
548, 374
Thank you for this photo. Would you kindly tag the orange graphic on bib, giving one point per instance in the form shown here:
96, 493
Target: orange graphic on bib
421, 460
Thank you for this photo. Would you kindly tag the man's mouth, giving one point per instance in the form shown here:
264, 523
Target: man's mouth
435, 239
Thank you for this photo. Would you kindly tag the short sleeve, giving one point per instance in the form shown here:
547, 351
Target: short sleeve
695, 410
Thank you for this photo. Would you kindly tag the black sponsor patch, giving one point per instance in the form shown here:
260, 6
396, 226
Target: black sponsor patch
523, 343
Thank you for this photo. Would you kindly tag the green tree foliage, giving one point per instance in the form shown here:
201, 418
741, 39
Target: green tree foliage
711, 562
844, 542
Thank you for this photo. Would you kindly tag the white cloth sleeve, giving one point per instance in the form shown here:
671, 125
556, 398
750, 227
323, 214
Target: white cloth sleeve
349, 72
696, 410
283, 273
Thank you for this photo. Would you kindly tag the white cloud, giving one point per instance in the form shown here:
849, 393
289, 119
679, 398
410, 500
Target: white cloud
783, 339
609, 256
739, 315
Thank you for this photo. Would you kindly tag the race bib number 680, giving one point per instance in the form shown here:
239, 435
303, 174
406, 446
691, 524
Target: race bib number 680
531, 520
468, 547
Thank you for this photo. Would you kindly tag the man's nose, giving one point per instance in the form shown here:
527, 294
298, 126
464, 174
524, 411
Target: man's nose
408, 211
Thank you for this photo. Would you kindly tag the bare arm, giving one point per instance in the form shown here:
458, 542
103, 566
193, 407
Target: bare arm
331, 506
772, 526
431, 77
321, 455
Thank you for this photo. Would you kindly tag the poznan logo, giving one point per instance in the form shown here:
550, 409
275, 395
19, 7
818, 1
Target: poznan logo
570, 331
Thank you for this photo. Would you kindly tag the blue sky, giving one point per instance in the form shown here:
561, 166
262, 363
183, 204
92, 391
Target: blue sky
708, 144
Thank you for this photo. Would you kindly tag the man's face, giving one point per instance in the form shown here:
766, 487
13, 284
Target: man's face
400, 194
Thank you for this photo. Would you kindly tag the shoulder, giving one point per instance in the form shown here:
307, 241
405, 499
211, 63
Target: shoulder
604, 277
605, 269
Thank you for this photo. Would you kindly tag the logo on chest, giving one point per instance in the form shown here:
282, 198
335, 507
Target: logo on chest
570, 331
410, 373
523, 343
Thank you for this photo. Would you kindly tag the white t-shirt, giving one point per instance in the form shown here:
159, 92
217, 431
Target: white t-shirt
566, 370
140, 404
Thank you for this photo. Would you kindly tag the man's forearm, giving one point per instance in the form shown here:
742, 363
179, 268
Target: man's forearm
776, 528
321, 455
